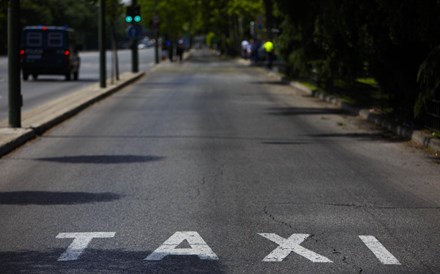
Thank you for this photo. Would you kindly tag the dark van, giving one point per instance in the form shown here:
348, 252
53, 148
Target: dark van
49, 50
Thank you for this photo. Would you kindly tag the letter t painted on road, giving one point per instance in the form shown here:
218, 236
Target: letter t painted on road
80, 243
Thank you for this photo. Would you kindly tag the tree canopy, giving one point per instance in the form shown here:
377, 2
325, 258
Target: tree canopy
80, 15
227, 20
343, 39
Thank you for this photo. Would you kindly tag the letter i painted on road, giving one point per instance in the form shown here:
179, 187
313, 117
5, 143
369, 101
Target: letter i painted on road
80, 243
381, 253
169, 247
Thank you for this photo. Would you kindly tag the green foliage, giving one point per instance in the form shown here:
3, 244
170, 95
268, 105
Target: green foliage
429, 80
80, 15
228, 20
344, 39
367, 81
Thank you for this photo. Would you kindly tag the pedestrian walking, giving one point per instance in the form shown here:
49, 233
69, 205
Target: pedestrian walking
180, 49
268, 49
244, 48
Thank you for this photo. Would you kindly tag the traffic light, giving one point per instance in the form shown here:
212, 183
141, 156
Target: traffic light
133, 14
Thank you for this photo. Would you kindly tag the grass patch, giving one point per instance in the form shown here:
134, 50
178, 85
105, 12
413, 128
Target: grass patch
309, 85
364, 92
367, 81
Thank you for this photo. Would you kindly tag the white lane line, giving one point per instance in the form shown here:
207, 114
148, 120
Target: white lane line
169, 247
80, 243
379, 250
292, 244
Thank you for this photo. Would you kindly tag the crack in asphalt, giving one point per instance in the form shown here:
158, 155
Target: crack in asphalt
266, 212
354, 205
344, 259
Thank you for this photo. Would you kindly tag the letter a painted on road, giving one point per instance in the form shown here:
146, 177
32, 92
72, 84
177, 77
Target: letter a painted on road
169, 247
292, 244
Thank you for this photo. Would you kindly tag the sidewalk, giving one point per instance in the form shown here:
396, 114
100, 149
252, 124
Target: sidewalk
42, 118
417, 136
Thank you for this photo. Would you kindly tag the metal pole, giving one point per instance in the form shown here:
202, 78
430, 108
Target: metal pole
269, 18
156, 35
101, 41
14, 32
134, 49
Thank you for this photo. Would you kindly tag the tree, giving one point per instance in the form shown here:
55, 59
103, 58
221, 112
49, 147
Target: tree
227, 20
115, 10
387, 39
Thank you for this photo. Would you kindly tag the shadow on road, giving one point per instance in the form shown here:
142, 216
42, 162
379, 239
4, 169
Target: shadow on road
285, 143
103, 261
101, 159
55, 198
277, 83
304, 111
62, 79
380, 136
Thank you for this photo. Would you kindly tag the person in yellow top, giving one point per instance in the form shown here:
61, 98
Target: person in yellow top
268, 46
269, 49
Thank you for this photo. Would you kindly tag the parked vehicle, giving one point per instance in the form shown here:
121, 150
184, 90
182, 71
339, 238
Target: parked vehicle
49, 50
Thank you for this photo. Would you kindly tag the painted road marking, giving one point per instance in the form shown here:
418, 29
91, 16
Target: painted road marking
169, 247
198, 247
292, 244
379, 250
80, 243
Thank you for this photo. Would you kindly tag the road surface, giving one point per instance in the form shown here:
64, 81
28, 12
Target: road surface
49, 87
212, 167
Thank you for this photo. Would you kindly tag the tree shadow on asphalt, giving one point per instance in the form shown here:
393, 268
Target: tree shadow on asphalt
103, 261
276, 83
101, 159
55, 198
377, 136
62, 79
291, 111
285, 143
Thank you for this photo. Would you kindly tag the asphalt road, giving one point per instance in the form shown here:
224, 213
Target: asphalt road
212, 167
49, 87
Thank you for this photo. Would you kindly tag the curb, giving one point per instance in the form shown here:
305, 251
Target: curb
417, 136
42, 118
14, 137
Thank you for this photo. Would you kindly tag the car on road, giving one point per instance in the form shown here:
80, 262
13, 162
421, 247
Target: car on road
50, 50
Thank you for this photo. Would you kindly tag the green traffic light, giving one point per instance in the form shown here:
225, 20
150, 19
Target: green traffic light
128, 19
137, 18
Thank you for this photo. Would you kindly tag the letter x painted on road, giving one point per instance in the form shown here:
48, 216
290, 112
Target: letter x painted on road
289, 245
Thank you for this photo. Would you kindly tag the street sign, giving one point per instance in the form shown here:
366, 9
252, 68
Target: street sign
134, 31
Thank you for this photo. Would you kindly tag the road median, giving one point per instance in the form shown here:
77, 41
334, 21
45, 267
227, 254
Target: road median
38, 120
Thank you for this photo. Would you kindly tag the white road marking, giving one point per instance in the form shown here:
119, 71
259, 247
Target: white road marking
169, 247
80, 243
292, 244
379, 250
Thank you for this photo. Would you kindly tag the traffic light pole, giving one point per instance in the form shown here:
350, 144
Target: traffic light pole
134, 49
134, 56
101, 41
15, 99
